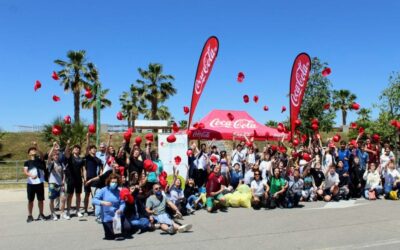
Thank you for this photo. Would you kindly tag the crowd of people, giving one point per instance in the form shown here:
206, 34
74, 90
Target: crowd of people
130, 193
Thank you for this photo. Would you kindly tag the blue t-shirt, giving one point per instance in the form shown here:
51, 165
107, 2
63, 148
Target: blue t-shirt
342, 154
92, 165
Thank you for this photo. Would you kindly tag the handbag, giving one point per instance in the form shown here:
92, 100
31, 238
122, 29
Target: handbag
117, 224
371, 195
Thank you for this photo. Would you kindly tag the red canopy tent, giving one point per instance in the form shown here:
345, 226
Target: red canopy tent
217, 125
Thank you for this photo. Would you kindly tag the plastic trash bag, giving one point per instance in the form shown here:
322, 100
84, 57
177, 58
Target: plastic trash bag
117, 224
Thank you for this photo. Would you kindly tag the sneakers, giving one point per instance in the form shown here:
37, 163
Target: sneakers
191, 211
65, 216
54, 217
184, 228
41, 217
29, 219
79, 214
157, 226
171, 230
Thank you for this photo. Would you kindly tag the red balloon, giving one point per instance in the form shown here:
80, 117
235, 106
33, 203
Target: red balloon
177, 160
67, 119
149, 137
175, 127
189, 153
266, 108
336, 138
127, 136
314, 126
246, 98
240, 77
138, 140
171, 138
280, 128
297, 122
230, 116
88, 94
55, 76
149, 165
201, 125
361, 130
353, 125
315, 121
120, 116
306, 157
92, 129
56, 130
196, 125
255, 98
327, 106
303, 138
376, 137
326, 71
283, 109
186, 110
295, 142
274, 147
37, 85
56, 98
355, 106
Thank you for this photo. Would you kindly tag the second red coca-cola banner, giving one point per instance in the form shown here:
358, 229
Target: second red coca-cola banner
298, 84
206, 63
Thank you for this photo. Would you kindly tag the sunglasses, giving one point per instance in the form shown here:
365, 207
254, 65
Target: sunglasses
155, 189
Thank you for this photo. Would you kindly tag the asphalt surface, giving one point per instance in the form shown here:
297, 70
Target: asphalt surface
354, 224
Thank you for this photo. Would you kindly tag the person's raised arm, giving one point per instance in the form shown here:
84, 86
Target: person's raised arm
49, 158
41, 155
109, 140
87, 143
67, 151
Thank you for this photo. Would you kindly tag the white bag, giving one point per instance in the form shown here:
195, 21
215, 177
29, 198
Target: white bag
117, 224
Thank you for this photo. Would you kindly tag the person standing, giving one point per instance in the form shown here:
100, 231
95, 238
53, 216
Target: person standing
34, 169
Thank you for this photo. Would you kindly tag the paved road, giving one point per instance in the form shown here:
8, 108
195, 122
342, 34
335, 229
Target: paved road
344, 225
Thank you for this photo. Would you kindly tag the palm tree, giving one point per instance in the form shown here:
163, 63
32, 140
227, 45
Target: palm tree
72, 76
162, 113
364, 115
93, 77
343, 99
157, 88
132, 104
183, 124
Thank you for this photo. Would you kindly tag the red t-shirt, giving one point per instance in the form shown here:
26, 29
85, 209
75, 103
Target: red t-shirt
214, 183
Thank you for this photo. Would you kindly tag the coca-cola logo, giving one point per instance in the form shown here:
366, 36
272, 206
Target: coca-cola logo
301, 74
206, 63
201, 134
237, 124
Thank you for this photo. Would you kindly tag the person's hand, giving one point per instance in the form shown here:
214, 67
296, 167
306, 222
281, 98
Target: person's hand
345, 174
151, 219
106, 203
118, 211
275, 195
69, 141
33, 176
87, 183
34, 143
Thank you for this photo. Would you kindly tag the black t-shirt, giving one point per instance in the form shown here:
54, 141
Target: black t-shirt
318, 176
36, 163
135, 165
92, 164
75, 165
190, 191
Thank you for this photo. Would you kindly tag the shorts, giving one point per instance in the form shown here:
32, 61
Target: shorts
55, 191
74, 187
35, 189
164, 219
210, 200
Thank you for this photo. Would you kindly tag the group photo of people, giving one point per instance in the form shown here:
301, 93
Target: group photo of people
126, 189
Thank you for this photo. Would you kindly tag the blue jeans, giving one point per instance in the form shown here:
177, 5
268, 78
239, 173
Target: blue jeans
388, 187
190, 201
140, 223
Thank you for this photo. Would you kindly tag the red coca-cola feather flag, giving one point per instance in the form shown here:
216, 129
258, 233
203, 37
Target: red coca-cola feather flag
206, 63
298, 84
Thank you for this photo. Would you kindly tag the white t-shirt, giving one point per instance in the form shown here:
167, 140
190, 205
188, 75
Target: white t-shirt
265, 168
237, 157
331, 180
251, 158
258, 187
384, 160
328, 160
391, 175
201, 162
56, 174
175, 194
248, 177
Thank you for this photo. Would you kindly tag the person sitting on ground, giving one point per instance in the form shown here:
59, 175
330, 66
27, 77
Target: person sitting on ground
331, 184
215, 187
344, 181
34, 170
309, 192
236, 175
355, 177
175, 191
295, 188
373, 182
135, 212
278, 186
56, 170
109, 199
192, 196
259, 190
392, 178
156, 208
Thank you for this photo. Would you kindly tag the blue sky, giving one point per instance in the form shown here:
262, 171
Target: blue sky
359, 40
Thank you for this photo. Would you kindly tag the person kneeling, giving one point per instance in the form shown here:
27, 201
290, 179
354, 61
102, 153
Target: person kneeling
156, 208
278, 189
259, 190
331, 189
215, 186
112, 207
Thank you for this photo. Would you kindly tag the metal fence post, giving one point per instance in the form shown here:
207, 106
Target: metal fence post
16, 170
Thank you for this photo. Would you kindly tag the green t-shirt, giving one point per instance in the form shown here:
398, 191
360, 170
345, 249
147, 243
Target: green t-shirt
276, 185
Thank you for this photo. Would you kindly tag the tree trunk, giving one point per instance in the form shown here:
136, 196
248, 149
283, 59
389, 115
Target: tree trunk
95, 115
76, 106
344, 117
154, 108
